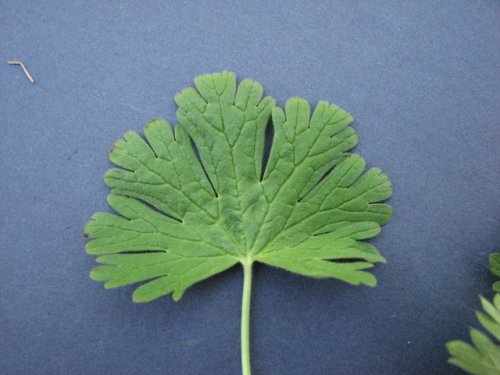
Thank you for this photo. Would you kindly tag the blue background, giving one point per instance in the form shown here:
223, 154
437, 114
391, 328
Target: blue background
422, 80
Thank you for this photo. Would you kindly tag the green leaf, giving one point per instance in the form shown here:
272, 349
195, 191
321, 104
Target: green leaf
496, 286
471, 360
495, 269
483, 358
495, 264
194, 200
181, 219
491, 320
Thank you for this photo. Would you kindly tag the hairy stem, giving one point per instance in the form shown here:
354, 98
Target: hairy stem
245, 318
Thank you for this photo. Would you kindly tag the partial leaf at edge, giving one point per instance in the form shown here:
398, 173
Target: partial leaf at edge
491, 309
469, 359
495, 263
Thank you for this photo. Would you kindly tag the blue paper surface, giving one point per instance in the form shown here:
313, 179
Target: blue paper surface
422, 80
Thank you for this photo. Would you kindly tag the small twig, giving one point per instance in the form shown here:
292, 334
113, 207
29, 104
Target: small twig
24, 69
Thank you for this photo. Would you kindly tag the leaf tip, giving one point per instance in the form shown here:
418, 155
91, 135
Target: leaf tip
88, 250
370, 280
155, 122
92, 275
137, 298
177, 295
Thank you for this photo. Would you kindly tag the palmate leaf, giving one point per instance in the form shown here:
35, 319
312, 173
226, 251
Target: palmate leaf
196, 199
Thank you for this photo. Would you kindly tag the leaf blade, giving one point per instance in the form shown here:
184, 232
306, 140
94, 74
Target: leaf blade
193, 200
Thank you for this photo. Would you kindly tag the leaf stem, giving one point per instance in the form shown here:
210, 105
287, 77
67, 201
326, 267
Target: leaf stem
245, 318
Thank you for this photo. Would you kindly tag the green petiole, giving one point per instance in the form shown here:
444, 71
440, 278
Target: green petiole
245, 318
